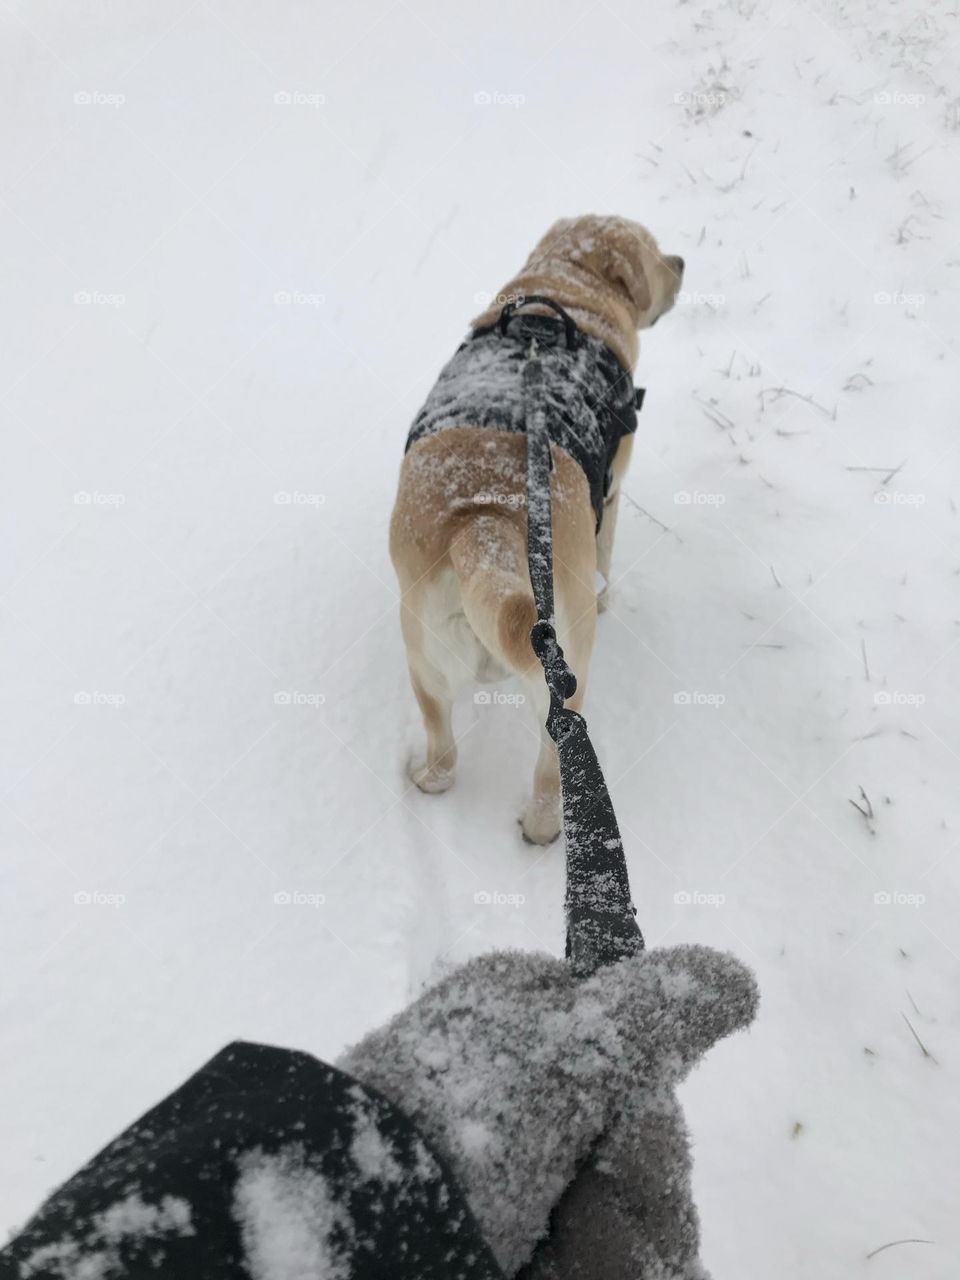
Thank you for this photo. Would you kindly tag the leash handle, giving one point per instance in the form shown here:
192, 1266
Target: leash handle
571, 332
601, 921
601, 918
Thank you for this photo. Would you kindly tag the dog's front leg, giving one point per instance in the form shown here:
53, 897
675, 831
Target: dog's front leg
608, 528
608, 525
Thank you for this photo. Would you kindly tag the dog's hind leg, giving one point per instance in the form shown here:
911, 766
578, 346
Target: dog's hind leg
435, 773
542, 818
435, 691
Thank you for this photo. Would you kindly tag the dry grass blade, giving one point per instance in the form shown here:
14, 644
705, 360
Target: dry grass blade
893, 1244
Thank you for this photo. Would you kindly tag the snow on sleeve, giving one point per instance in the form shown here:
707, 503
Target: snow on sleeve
290, 1222
134, 1217
372, 1151
64, 1259
98, 1256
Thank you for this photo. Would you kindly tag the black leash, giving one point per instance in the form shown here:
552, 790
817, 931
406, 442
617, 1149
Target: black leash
601, 921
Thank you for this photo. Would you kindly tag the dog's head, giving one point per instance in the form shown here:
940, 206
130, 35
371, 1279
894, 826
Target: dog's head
619, 256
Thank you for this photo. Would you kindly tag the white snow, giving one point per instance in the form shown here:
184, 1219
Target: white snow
64, 1257
288, 1218
222, 313
372, 1152
98, 1255
134, 1217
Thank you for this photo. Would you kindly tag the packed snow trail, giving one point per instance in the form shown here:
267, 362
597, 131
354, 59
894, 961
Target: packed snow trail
239, 244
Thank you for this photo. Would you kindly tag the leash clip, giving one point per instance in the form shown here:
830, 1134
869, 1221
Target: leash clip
561, 681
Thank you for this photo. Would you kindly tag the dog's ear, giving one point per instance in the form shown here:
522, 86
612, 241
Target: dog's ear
618, 252
647, 279
628, 272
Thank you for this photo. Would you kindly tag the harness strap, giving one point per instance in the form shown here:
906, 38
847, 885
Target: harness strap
571, 332
601, 920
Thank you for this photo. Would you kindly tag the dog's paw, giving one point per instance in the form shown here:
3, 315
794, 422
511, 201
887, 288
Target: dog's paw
541, 824
432, 781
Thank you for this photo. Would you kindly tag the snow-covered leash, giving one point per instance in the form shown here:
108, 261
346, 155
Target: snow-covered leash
601, 920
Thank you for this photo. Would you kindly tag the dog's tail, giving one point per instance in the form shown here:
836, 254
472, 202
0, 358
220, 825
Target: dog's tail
489, 556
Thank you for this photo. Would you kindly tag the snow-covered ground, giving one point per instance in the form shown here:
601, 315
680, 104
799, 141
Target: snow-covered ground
238, 241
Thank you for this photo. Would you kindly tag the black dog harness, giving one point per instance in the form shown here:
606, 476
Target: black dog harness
589, 398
